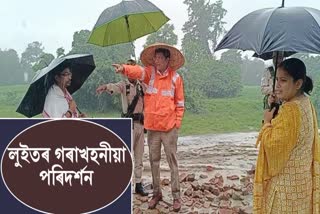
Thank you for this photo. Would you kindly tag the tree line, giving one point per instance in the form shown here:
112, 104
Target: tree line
204, 75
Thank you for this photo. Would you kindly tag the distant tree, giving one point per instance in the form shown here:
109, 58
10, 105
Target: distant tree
104, 72
216, 79
316, 96
32, 53
194, 53
204, 25
231, 57
60, 52
302, 56
43, 61
252, 70
206, 76
313, 71
194, 97
312, 64
10, 69
30, 57
165, 35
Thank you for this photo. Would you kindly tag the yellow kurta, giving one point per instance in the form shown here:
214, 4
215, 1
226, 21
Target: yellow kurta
287, 178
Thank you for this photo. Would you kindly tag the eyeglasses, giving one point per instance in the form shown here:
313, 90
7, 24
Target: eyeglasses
66, 74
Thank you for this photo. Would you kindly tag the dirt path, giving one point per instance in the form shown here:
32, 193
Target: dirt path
215, 173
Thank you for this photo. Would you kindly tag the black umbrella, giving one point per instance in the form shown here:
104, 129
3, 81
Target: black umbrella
81, 66
288, 29
269, 55
294, 29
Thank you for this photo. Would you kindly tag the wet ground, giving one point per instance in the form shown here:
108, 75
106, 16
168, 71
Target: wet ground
216, 174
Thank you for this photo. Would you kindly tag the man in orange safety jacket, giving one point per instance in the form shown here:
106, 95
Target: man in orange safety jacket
164, 108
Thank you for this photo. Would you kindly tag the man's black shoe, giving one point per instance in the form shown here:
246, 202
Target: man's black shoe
140, 190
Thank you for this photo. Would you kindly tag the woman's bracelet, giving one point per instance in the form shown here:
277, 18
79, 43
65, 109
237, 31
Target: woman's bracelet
69, 112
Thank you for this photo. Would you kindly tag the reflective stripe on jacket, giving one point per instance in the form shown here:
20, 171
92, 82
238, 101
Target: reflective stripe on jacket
163, 99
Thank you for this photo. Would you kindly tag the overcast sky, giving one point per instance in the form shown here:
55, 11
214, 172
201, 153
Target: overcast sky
53, 23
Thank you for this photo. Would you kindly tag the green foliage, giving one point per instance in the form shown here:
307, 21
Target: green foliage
313, 71
316, 96
104, 57
206, 77
251, 71
312, 64
205, 23
60, 52
165, 35
192, 95
194, 100
232, 57
43, 62
194, 52
216, 79
10, 69
242, 113
32, 54
34, 59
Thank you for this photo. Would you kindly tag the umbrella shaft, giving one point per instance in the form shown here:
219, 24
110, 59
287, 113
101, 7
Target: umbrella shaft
79, 110
128, 27
275, 72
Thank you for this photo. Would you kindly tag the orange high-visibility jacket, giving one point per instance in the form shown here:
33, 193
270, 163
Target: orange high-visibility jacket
163, 99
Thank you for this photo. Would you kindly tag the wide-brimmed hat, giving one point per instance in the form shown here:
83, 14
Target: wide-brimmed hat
176, 58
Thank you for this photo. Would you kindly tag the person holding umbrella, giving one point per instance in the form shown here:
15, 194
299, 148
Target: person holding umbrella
59, 102
164, 109
132, 92
287, 177
287, 173
267, 80
54, 85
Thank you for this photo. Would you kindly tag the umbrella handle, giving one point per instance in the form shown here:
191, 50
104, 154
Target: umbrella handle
79, 110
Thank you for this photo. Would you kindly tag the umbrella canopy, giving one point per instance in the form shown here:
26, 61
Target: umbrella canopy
81, 66
127, 21
293, 29
269, 55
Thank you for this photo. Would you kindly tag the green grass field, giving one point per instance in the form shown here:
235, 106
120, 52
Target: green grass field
243, 113
10, 97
